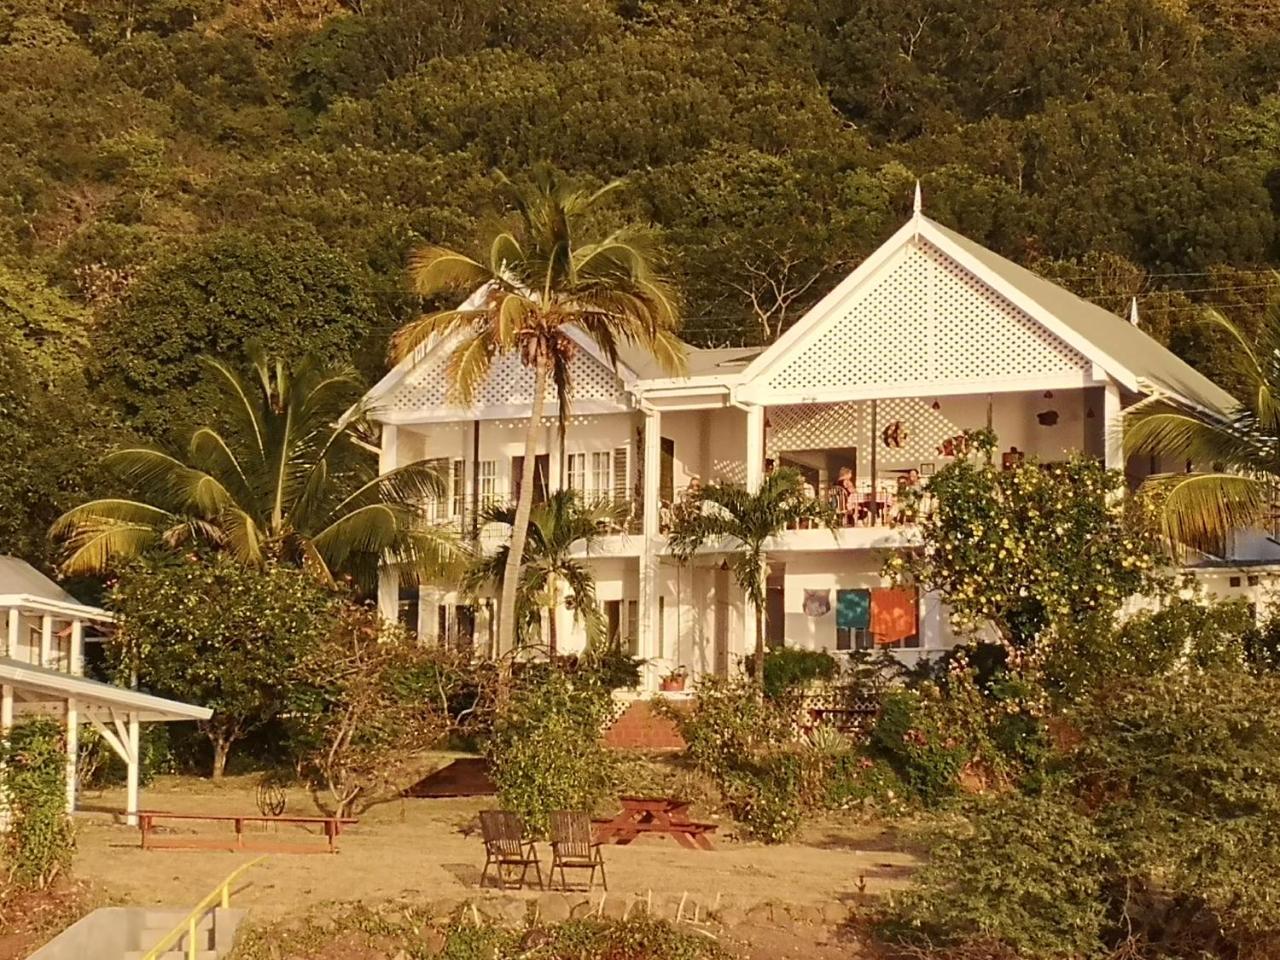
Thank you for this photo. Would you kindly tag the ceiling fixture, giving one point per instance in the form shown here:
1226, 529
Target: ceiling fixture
1089, 413
1048, 394
935, 405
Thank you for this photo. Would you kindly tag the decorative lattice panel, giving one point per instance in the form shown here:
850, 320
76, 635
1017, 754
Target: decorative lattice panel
427, 387
927, 319
822, 426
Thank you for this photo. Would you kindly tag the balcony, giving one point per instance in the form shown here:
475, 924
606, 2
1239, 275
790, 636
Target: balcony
460, 515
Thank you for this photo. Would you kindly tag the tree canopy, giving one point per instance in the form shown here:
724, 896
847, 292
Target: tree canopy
186, 174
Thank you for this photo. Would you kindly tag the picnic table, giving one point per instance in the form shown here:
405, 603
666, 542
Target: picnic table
656, 815
332, 828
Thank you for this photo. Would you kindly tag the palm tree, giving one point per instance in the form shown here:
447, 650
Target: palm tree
291, 477
1241, 448
728, 519
561, 530
532, 288
535, 286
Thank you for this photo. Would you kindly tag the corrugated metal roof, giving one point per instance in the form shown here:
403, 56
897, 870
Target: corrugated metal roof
1119, 339
58, 684
19, 577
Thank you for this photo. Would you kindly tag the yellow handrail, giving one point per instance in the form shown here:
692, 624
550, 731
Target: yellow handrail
221, 895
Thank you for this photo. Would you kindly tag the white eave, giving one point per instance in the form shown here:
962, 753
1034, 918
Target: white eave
54, 683
30, 603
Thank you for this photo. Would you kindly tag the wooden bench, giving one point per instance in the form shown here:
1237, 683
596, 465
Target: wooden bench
331, 826
655, 815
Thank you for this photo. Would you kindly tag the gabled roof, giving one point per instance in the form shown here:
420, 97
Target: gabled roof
1115, 345
19, 577
1118, 338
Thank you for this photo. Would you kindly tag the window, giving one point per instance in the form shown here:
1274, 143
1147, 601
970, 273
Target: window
853, 638
459, 488
622, 625
488, 474
621, 475
602, 474
662, 626
438, 507
407, 609
575, 472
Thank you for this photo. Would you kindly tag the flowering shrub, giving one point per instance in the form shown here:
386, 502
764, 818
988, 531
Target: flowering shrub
1033, 546
910, 737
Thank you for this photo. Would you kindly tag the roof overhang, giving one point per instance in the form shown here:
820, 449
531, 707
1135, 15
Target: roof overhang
29, 603
53, 684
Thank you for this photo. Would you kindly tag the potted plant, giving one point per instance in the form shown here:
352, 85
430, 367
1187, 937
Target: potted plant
673, 680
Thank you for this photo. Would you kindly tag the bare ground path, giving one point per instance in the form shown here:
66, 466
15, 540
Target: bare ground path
426, 849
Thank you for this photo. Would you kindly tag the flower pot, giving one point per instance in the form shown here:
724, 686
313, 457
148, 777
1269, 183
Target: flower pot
671, 684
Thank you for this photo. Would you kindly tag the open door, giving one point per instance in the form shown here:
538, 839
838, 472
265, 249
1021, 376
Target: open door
541, 473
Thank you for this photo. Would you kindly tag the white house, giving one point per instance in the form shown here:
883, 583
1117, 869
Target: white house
932, 335
42, 674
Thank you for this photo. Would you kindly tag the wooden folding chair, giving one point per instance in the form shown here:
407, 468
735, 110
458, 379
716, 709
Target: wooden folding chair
572, 846
506, 848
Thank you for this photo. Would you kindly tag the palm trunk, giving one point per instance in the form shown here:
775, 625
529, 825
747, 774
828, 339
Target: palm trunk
760, 647
524, 506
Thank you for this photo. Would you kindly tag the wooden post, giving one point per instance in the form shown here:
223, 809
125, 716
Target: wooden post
15, 625
875, 492
73, 747
134, 758
76, 666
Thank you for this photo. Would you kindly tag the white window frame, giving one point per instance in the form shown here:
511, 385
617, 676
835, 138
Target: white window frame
488, 477
575, 472
602, 474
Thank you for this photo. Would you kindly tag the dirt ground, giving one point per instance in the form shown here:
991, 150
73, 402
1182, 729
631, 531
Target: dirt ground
428, 849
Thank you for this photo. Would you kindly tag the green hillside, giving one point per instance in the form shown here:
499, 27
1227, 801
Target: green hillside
180, 176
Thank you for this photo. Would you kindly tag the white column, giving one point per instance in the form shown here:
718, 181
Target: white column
15, 626
73, 747
77, 648
135, 756
6, 709
648, 559
652, 468
388, 577
755, 447
1112, 426
46, 640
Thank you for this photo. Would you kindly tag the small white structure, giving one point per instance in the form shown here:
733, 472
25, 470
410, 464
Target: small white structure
42, 673
930, 336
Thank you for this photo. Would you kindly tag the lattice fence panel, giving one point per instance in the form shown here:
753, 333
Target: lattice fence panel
927, 319
427, 387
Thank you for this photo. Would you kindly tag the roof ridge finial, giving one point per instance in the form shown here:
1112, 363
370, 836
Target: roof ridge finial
918, 207
1133, 311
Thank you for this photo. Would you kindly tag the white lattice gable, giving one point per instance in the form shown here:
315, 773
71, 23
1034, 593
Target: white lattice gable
423, 391
920, 321
921, 315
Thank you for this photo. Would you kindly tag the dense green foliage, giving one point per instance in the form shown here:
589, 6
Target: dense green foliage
292, 477
545, 752
184, 174
1152, 834
39, 839
788, 670
218, 633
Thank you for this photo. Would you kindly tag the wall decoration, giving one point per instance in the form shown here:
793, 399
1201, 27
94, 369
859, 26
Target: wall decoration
926, 469
1047, 419
894, 435
817, 603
